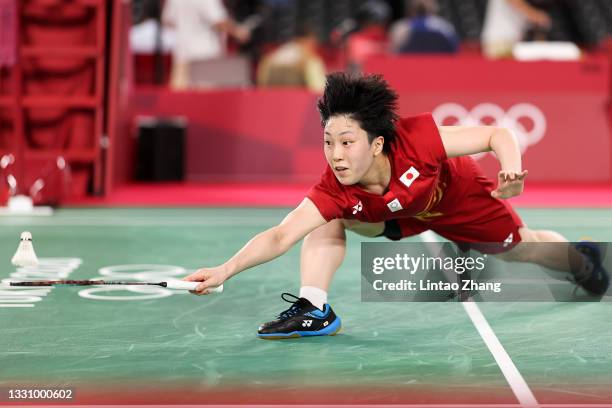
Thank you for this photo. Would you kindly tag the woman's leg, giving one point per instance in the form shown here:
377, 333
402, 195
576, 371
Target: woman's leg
552, 250
323, 252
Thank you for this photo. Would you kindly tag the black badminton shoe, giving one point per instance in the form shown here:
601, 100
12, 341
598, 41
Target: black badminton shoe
598, 280
302, 319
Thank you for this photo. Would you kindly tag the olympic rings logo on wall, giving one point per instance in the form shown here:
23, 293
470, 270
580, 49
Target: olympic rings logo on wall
526, 120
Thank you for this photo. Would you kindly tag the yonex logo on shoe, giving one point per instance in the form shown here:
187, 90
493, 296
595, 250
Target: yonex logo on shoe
325, 323
307, 323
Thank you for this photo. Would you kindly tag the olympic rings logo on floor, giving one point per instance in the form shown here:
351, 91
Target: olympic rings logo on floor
492, 114
47, 269
135, 272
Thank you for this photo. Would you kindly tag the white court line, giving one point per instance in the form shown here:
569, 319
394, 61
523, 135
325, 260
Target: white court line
221, 221
515, 380
513, 376
17, 305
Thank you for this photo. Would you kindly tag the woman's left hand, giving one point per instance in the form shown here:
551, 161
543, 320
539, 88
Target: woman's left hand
509, 184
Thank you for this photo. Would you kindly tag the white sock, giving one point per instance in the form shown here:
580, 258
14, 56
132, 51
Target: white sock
316, 296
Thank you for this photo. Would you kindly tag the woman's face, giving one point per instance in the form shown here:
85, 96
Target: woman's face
347, 149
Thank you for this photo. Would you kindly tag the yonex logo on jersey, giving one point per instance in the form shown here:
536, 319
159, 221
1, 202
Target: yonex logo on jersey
508, 240
307, 323
358, 207
409, 176
395, 205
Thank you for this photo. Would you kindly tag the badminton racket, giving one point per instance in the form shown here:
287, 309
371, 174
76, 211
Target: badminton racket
171, 284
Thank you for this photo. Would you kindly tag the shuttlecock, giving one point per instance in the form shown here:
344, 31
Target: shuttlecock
25, 255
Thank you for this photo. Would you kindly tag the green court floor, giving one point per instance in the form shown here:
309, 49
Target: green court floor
98, 340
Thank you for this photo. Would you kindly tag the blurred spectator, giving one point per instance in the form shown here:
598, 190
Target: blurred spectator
423, 31
151, 44
201, 28
370, 39
145, 34
295, 63
506, 23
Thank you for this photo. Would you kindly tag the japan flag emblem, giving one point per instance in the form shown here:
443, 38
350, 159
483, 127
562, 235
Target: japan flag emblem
409, 176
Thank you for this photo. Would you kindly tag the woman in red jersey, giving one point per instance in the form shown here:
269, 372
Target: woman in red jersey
398, 177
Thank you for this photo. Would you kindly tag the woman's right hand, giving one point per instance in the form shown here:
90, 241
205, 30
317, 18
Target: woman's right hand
210, 278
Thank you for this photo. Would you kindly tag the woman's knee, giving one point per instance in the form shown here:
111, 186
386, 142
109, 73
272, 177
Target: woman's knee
333, 229
336, 229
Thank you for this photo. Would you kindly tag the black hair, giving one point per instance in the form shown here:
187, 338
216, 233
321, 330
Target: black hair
367, 99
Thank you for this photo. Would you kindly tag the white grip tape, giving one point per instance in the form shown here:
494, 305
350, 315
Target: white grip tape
185, 285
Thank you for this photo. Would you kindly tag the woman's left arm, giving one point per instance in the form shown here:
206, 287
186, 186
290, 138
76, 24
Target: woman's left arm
466, 140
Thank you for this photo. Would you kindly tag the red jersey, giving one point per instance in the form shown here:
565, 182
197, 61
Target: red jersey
427, 191
417, 159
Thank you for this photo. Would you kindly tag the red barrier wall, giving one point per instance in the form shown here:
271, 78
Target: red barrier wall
250, 135
558, 110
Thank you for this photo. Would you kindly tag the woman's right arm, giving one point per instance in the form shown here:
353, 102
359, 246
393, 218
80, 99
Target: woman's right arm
263, 247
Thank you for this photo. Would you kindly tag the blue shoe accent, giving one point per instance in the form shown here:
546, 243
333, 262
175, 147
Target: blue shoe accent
320, 314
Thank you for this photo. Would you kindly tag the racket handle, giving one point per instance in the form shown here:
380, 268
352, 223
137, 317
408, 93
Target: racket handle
185, 285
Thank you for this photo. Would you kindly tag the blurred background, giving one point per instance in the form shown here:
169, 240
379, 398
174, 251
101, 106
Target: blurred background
211, 102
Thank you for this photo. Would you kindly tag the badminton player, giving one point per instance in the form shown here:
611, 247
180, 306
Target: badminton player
398, 177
